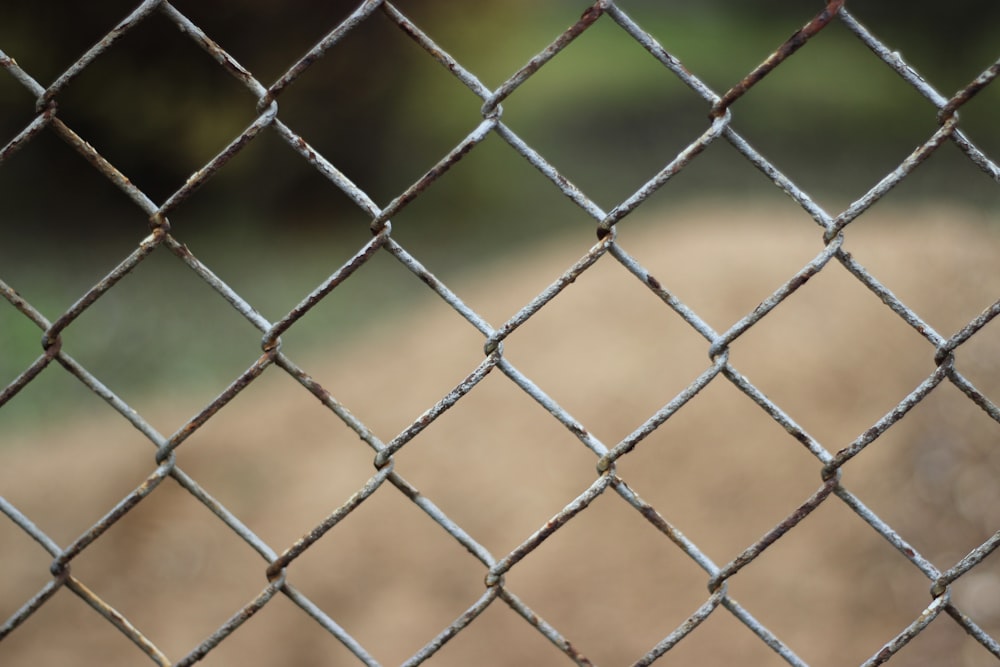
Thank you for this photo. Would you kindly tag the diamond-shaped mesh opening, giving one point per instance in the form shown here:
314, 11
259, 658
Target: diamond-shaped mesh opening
171, 551
162, 321
940, 459
613, 602
822, 613
753, 463
404, 129
317, 456
854, 98
633, 111
382, 369
569, 360
837, 315
393, 588
132, 103
490, 222
482, 480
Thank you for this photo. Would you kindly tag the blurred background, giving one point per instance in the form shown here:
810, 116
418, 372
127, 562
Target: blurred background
605, 113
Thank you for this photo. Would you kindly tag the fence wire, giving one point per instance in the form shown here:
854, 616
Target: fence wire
720, 107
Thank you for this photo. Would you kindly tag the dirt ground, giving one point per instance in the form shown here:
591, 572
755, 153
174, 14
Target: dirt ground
607, 350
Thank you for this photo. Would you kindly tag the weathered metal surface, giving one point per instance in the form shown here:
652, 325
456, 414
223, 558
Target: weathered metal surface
276, 562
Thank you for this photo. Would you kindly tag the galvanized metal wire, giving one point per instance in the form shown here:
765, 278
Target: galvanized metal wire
720, 110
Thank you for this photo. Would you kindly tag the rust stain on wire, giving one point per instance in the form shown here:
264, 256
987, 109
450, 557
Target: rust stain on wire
772, 536
238, 385
587, 19
791, 45
967, 93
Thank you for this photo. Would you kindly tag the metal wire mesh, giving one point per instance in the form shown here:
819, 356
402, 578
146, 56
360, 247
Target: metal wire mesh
280, 559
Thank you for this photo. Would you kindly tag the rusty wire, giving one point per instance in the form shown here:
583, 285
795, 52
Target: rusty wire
720, 109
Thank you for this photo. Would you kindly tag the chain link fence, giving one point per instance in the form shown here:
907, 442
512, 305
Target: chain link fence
280, 559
